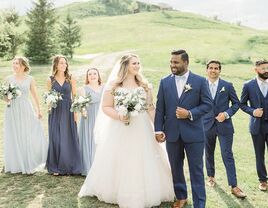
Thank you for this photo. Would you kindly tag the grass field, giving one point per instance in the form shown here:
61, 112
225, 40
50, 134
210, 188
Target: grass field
152, 36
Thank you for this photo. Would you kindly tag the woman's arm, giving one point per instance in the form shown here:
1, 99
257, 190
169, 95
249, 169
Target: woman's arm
33, 90
150, 104
73, 84
108, 107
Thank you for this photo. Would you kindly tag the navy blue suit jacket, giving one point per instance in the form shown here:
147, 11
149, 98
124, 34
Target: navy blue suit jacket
197, 100
225, 95
251, 92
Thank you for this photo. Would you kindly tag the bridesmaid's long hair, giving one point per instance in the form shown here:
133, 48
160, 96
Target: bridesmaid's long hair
24, 62
123, 72
99, 78
55, 63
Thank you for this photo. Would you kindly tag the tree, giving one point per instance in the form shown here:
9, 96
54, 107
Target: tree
69, 36
40, 44
10, 38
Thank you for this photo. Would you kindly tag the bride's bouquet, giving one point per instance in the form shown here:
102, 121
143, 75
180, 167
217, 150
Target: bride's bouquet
130, 103
51, 99
80, 103
9, 92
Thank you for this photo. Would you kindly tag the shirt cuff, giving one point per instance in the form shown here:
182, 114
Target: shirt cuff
226, 115
190, 116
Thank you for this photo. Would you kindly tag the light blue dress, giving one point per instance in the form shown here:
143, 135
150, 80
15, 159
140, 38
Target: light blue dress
86, 127
25, 146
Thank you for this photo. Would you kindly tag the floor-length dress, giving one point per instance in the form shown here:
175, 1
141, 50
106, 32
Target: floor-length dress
63, 152
130, 168
25, 145
86, 129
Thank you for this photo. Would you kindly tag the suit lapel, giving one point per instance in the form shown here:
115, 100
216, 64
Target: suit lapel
174, 87
257, 89
220, 86
189, 81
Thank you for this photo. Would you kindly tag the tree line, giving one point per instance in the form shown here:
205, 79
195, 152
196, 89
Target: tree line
44, 37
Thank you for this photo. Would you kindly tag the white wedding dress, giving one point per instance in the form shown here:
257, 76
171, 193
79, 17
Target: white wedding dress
130, 168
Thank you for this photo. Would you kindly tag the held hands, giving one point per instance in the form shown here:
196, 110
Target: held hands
124, 119
220, 117
182, 113
258, 112
160, 137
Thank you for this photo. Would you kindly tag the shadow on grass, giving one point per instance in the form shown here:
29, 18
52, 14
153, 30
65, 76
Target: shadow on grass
44, 190
230, 201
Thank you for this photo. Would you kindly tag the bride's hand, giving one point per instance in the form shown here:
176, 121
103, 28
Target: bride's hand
124, 119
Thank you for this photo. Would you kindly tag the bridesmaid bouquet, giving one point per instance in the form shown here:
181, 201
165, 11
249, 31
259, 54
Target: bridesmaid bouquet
9, 92
51, 99
80, 103
130, 103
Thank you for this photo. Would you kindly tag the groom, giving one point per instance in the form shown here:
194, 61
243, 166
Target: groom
183, 98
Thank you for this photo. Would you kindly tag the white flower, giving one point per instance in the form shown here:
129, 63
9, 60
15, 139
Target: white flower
187, 87
9, 96
18, 92
137, 107
122, 110
134, 113
222, 89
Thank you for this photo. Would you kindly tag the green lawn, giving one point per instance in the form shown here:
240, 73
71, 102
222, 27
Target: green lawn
152, 36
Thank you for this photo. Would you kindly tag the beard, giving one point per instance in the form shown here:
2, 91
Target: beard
178, 70
263, 76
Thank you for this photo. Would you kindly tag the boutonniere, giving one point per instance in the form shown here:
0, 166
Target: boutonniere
187, 87
222, 89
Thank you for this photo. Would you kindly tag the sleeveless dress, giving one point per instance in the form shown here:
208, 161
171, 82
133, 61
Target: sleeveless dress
25, 146
130, 168
63, 152
86, 127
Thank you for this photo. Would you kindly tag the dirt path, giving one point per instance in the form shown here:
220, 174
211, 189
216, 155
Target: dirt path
103, 62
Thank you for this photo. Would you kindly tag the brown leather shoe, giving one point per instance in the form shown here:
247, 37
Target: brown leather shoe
183, 203
176, 204
211, 181
180, 203
263, 186
238, 193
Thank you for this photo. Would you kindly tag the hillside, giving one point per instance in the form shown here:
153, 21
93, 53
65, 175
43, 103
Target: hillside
106, 7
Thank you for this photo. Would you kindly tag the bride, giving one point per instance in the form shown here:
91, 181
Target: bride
130, 168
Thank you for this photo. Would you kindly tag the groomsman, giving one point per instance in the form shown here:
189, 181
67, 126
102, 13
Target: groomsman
255, 91
182, 101
218, 123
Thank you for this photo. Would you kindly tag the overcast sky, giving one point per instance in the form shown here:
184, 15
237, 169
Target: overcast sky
252, 13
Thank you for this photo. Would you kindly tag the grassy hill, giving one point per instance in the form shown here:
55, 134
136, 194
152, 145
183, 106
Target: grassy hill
152, 35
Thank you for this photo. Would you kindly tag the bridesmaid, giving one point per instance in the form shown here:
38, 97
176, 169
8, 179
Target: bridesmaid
25, 146
63, 152
94, 88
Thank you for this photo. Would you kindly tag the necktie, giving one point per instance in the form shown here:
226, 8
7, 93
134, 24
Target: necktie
213, 90
264, 88
180, 84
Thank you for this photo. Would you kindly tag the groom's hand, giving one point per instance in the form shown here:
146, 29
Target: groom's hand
182, 113
160, 137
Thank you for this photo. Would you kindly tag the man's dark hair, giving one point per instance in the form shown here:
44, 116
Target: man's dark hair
214, 62
182, 53
260, 62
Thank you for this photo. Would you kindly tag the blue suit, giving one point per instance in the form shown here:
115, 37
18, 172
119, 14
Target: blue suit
184, 134
225, 95
258, 126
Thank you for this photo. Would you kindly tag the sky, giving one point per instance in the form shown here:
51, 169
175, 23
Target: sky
252, 13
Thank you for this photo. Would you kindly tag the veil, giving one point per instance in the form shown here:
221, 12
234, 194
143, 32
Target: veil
102, 120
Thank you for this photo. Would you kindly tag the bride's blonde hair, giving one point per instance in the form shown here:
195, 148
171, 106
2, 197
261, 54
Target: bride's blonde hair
123, 72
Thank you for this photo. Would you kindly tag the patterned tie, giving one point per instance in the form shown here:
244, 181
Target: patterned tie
213, 90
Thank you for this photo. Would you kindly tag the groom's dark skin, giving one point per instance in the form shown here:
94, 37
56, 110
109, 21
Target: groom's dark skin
178, 67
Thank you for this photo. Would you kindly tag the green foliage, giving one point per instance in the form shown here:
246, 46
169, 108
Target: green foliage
69, 36
40, 43
10, 38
